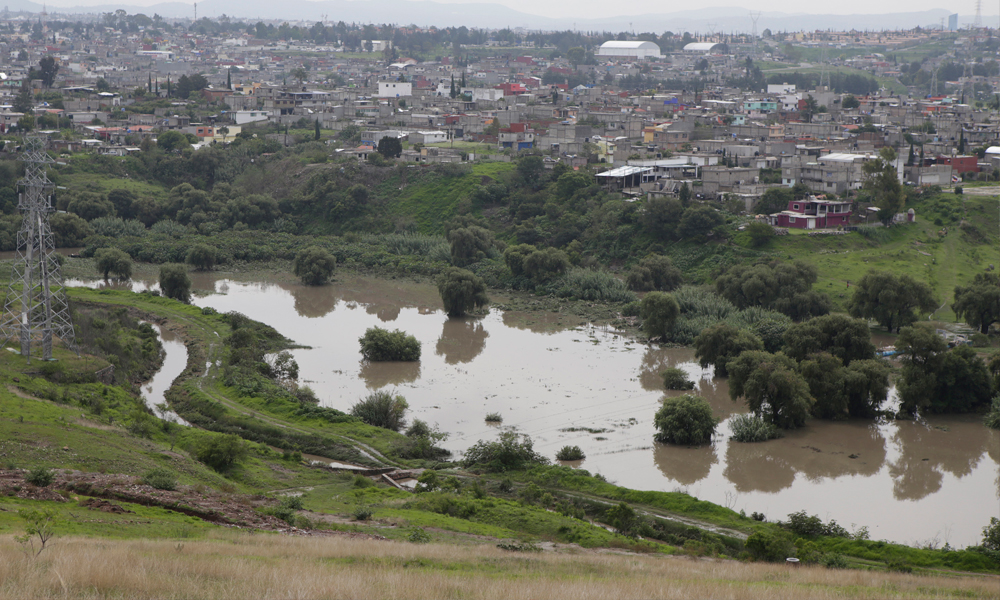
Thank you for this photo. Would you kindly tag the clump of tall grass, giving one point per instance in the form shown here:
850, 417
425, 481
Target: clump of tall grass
698, 301
751, 428
992, 419
875, 233
116, 227
412, 244
702, 308
587, 284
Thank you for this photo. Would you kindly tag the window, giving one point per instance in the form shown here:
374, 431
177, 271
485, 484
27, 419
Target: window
791, 219
795, 206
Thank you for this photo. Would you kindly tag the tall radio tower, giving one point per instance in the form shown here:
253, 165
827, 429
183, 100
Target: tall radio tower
35, 310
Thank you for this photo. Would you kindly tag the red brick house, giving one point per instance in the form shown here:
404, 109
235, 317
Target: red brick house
960, 164
813, 213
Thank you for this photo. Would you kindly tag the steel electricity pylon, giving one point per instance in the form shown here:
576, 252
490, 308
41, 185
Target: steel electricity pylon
35, 310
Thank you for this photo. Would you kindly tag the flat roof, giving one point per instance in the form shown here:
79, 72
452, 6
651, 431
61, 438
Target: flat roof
625, 171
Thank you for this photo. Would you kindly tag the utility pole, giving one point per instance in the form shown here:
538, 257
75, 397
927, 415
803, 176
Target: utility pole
35, 308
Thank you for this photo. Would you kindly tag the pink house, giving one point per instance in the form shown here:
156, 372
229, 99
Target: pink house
813, 213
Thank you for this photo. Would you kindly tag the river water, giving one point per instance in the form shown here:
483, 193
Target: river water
930, 482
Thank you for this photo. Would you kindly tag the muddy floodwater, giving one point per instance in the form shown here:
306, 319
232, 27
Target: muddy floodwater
175, 357
933, 481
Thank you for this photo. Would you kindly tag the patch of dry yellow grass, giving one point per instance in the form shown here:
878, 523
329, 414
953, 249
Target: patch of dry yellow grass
237, 566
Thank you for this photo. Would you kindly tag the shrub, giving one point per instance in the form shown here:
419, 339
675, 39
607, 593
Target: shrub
834, 561
314, 265
116, 227
161, 479
570, 453
508, 453
39, 476
170, 228
494, 418
381, 345
676, 379
685, 419
654, 272
418, 536
222, 452
382, 409
768, 546
751, 428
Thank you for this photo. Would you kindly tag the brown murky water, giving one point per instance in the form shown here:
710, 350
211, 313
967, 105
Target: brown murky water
906, 481
174, 360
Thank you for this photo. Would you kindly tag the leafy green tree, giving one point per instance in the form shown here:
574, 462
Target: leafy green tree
122, 200
661, 215
979, 302
774, 200
175, 283
24, 101
113, 260
721, 343
222, 452
698, 221
781, 286
530, 169
90, 206
379, 344
684, 194
625, 520
470, 244
202, 257
882, 184
675, 378
69, 230
659, 312
772, 387
841, 392
845, 338
317, 132
47, 70
390, 147
850, 102
685, 420
892, 301
38, 525
314, 265
461, 291
937, 380
169, 141
654, 272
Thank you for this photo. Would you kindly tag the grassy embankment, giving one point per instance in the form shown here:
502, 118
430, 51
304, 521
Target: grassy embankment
238, 565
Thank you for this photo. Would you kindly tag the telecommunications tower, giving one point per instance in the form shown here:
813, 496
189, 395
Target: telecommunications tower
35, 310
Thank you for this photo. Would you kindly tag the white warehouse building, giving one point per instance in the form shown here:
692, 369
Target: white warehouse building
630, 49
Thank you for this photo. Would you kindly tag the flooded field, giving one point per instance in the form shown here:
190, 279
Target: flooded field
933, 482
175, 357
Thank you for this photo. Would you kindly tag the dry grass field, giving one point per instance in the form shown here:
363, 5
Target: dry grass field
235, 565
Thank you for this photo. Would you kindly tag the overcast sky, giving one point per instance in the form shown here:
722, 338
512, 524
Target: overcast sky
596, 8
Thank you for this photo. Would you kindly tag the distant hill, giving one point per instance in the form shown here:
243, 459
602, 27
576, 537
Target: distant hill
496, 16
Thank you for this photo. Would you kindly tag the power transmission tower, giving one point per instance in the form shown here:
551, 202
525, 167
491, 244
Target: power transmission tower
753, 33
35, 309
977, 23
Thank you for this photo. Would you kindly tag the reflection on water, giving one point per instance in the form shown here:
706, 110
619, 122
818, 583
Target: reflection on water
685, 465
567, 384
380, 374
928, 452
174, 360
462, 339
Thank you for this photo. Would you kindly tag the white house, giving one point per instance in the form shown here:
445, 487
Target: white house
250, 116
394, 89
